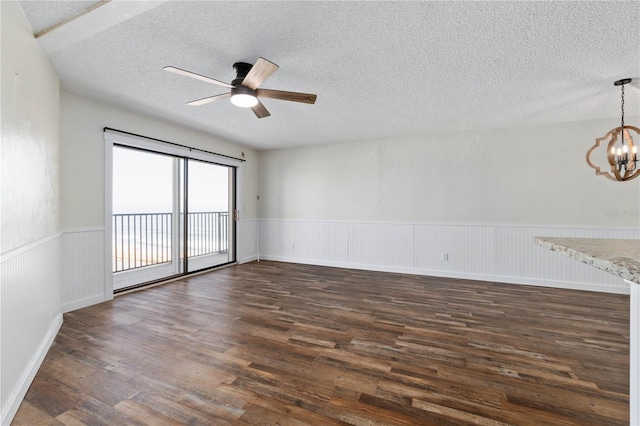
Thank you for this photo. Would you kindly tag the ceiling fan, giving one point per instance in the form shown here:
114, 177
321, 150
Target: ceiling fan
244, 88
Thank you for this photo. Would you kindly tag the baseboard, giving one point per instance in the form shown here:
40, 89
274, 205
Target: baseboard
248, 259
82, 303
16, 400
452, 274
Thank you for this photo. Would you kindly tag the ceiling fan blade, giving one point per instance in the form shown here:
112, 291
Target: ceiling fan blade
307, 98
197, 76
260, 111
208, 99
259, 72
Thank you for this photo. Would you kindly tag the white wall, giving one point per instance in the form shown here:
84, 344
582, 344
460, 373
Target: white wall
532, 175
30, 277
30, 115
82, 156
478, 196
82, 187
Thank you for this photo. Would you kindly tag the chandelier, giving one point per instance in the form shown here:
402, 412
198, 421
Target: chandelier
622, 153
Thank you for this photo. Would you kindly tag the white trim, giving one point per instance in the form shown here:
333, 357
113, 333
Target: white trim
258, 228
176, 229
82, 303
634, 354
108, 214
239, 206
97, 19
83, 229
27, 247
448, 274
34, 366
465, 224
248, 259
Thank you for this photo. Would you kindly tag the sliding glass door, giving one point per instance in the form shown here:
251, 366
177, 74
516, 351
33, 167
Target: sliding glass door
171, 216
144, 238
209, 218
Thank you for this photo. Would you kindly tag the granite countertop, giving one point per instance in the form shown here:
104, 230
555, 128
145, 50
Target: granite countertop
618, 257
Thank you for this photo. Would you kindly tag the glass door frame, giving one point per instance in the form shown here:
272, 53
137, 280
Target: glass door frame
231, 211
174, 252
118, 138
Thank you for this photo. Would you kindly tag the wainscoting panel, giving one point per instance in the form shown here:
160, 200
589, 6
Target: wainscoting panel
380, 245
305, 241
30, 316
83, 268
247, 249
503, 253
522, 259
454, 248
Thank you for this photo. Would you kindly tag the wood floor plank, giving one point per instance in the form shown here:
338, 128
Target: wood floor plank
31, 415
143, 414
277, 343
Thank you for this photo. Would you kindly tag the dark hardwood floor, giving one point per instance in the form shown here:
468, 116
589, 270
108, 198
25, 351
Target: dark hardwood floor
277, 344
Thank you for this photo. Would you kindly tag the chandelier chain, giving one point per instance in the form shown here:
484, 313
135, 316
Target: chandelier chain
622, 106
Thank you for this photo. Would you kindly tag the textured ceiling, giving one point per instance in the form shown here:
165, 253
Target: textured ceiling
45, 14
380, 69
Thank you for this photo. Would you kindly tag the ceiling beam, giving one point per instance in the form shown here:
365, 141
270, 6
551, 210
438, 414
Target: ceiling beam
97, 18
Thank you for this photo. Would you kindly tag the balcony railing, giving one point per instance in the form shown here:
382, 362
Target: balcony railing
145, 239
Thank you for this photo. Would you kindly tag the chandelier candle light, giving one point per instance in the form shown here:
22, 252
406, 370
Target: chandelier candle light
621, 151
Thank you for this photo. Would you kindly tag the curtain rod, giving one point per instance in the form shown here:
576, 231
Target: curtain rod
173, 143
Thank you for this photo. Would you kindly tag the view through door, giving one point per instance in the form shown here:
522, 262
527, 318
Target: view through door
152, 236
210, 219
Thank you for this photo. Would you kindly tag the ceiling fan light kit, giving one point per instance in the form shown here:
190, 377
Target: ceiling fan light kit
622, 153
242, 96
244, 100
244, 88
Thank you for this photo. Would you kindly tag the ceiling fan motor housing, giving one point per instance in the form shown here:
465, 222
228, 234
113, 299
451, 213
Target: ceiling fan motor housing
242, 69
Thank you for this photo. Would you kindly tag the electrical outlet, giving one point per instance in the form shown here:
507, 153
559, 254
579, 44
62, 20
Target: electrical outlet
445, 257
281, 245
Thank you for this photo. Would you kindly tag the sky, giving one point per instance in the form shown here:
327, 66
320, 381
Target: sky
142, 183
